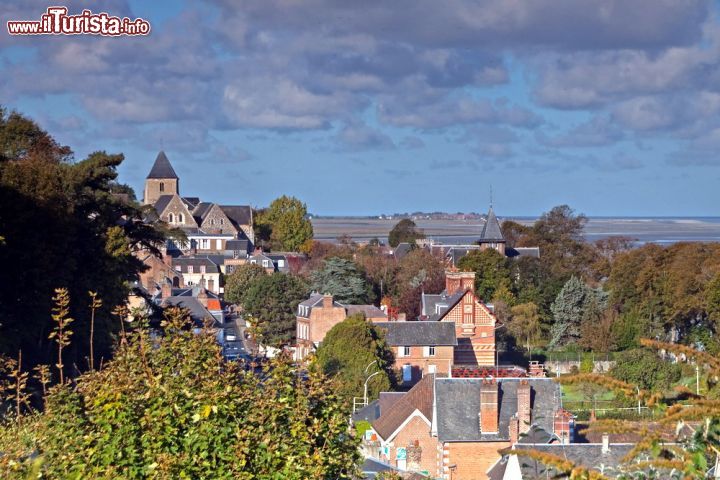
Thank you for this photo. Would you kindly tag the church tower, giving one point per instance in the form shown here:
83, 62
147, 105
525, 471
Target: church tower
491, 236
162, 180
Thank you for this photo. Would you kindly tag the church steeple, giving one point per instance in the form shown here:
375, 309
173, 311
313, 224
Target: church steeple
492, 236
162, 180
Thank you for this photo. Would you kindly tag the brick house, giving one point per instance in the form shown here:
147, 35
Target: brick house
319, 313
420, 348
454, 427
474, 321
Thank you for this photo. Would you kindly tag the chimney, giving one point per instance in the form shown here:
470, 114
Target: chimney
327, 301
489, 406
563, 424
203, 297
605, 444
456, 281
523, 406
514, 430
166, 289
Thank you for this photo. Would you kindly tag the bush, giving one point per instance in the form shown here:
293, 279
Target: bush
587, 365
644, 368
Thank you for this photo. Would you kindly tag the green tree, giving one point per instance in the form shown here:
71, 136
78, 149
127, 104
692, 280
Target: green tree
643, 367
492, 271
347, 350
524, 324
405, 231
178, 411
270, 303
574, 303
286, 220
340, 278
238, 282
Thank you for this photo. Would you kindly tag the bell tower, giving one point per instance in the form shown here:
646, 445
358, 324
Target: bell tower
162, 180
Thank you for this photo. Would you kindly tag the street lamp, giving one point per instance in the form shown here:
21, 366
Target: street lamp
365, 397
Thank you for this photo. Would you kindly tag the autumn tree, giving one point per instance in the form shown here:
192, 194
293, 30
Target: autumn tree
287, 223
238, 282
342, 279
492, 271
346, 352
524, 324
177, 410
405, 231
419, 271
270, 303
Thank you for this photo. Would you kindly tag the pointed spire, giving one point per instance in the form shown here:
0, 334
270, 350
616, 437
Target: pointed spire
491, 232
162, 168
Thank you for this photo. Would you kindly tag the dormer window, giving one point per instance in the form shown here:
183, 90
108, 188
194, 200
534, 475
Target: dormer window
202, 268
190, 269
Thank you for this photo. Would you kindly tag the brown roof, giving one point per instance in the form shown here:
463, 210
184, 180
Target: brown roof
420, 397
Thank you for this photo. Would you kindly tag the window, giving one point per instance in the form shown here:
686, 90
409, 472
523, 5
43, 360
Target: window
432, 369
429, 351
171, 218
266, 264
212, 221
222, 221
404, 351
281, 263
407, 373
202, 268
178, 268
190, 269
181, 218
162, 186
218, 244
205, 243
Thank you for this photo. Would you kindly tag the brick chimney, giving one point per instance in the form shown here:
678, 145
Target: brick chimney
523, 407
489, 406
563, 424
514, 430
605, 444
327, 301
456, 281
203, 297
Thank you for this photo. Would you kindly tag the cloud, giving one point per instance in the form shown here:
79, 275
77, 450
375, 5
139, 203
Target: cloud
412, 143
358, 136
598, 131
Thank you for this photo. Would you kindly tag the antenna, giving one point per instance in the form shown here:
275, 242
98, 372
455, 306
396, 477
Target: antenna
491, 198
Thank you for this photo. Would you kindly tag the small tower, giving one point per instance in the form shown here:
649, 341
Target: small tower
162, 180
491, 236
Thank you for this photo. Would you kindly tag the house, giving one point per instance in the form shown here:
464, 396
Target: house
157, 271
319, 313
200, 271
454, 427
420, 348
260, 258
474, 321
203, 306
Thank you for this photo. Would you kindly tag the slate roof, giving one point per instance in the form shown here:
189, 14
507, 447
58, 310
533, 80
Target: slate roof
192, 201
184, 262
589, 455
198, 312
238, 214
435, 307
370, 413
419, 333
202, 209
162, 168
533, 252
370, 311
458, 406
242, 245
401, 250
162, 203
420, 397
491, 231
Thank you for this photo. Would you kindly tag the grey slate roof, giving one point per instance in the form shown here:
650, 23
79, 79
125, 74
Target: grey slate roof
419, 333
198, 312
238, 214
201, 210
370, 311
589, 455
533, 252
370, 413
491, 232
401, 250
162, 168
242, 245
184, 262
435, 307
458, 406
162, 203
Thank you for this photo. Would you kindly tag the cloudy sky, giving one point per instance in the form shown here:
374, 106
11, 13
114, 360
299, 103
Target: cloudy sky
366, 107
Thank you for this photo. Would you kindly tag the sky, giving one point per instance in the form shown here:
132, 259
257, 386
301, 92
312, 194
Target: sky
370, 107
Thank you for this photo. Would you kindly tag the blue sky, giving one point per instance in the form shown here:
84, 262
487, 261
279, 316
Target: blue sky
612, 107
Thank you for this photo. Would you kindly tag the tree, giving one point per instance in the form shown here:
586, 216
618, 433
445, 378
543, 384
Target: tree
492, 271
405, 231
341, 278
286, 219
419, 271
574, 302
643, 367
238, 282
270, 302
347, 350
178, 411
524, 324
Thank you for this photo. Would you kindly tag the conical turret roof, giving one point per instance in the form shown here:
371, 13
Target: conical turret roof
491, 232
162, 168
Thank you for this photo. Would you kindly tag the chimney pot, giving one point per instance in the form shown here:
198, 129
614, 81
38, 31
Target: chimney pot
489, 406
524, 411
327, 301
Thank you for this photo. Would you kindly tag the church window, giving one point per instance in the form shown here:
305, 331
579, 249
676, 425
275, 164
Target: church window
171, 218
162, 186
181, 218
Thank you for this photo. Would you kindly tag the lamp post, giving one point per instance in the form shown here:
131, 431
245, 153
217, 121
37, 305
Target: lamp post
365, 396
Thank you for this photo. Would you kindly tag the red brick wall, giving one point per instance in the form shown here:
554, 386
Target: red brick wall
442, 360
473, 322
472, 459
416, 430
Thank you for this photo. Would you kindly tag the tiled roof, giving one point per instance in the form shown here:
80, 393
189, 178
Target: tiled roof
370, 311
458, 401
184, 262
162, 203
533, 252
420, 397
202, 209
198, 312
241, 245
162, 168
419, 333
491, 232
588, 455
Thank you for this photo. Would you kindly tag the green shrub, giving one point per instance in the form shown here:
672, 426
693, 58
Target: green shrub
643, 367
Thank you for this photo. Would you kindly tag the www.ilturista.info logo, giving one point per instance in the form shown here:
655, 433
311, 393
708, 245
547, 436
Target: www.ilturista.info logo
56, 21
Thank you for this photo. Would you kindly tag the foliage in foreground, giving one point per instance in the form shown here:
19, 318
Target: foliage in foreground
170, 407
